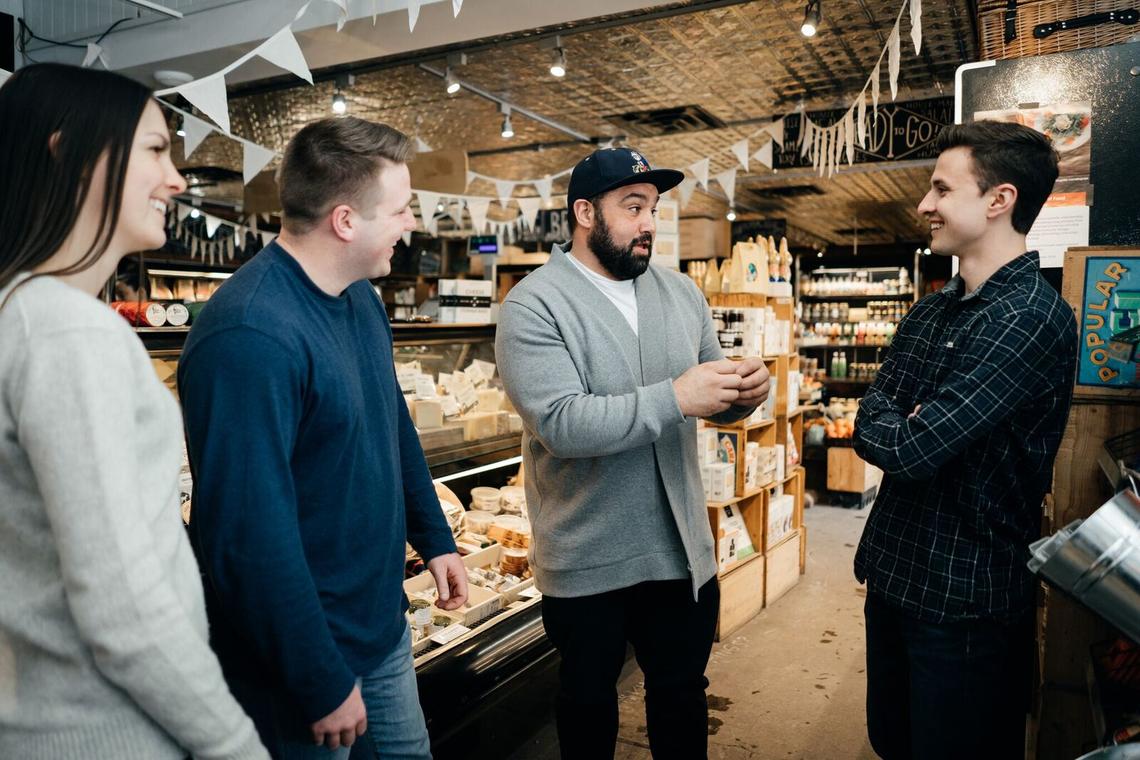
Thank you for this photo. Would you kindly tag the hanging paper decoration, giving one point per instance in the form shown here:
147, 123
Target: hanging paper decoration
876, 77
254, 159
212, 223
727, 180
862, 119
343, 5
470, 178
764, 155
421, 146
740, 150
916, 25
456, 6
807, 136
849, 133
686, 188
182, 211
283, 52
893, 60
209, 95
477, 207
544, 187
196, 131
406, 236
94, 53
455, 211
776, 129
505, 188
428, 204
413, 14
528, 208
700, 170
267, 238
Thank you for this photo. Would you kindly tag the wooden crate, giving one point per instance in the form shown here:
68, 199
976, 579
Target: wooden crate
741, 595
752, 512
847, 472
703, 238
782, 568
803, 549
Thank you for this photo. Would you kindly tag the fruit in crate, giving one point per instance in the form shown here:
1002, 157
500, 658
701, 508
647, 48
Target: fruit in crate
840, 428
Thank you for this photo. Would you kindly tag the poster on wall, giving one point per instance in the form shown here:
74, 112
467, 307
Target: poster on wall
1103, 285
1064, 221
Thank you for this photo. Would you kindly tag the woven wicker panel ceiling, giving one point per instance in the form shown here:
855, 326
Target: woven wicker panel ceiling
1030, 13
743, 63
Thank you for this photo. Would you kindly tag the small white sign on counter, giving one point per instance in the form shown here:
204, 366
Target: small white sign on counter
450, 634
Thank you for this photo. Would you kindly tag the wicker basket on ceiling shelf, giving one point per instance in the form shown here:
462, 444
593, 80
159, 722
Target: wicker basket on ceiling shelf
1030, 13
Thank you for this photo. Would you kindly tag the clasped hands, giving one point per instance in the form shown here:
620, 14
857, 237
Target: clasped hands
711, 388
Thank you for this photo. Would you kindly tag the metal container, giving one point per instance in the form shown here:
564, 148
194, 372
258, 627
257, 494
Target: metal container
1097, 560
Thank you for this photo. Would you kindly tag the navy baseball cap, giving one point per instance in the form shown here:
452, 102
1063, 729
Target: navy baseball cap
608, 168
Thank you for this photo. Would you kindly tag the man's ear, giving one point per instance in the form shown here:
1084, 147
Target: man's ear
341, 222
584, 213
1003, 200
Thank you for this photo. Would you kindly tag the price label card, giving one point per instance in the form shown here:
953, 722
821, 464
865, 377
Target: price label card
530, 593
486, 369
449, 406
450, 634
425, 387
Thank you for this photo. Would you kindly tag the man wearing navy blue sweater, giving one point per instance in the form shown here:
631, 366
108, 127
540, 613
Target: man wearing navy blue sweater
308, 473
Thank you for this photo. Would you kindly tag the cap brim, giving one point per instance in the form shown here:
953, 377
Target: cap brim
663, 179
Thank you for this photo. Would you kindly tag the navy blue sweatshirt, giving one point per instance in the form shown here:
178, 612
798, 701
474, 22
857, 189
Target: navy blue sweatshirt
308, 476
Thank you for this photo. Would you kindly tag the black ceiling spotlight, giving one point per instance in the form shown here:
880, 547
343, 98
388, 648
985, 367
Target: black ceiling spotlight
812, 16
1126, 17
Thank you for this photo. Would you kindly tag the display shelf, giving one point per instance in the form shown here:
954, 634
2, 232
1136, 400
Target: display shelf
836, 346
735, 566
859, 297
844, 381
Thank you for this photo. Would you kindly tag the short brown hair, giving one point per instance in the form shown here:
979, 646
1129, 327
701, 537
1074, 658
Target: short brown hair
334, 161
1006, 152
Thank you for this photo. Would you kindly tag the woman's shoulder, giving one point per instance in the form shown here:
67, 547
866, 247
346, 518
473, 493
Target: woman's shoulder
46, 305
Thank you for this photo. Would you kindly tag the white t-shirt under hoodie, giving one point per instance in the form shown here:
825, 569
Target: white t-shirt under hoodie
620, 292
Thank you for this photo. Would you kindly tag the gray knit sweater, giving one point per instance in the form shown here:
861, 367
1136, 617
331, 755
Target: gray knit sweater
612, 477
103, 649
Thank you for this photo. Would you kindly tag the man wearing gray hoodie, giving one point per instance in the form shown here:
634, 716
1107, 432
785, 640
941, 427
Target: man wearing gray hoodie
610, 361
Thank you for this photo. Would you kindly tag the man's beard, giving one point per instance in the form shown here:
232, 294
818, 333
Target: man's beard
621, 263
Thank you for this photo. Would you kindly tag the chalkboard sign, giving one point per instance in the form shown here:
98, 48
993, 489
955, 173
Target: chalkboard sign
895, 132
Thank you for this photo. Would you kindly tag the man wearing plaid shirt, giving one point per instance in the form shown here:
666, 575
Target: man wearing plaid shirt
965, 419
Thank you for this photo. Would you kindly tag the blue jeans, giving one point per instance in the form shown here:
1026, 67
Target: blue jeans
396, 728
946, 691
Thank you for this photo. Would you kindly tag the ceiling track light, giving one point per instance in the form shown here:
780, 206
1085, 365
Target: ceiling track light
731, 215
339, 101
812, 16
451, 82
508, 131
557, 54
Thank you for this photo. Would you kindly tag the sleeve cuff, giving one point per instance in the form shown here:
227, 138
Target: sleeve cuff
318, 704
663, 400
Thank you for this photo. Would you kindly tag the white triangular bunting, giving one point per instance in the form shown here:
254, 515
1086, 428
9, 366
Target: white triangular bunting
470, 178
302, 11
267, 238
237, 236
255, 159
93, 53
764, 155
876, 78
429, 202
196, 131
413, 14
209, 95
343, 5
421, 146
806, 138
862, 119
455, 211
727, 180
849, 133
477, 207
432, 226
776, 129
182, 211
505, 188
700, 170
686, 188
740, 150
406, 236
283, 52
456, 6
893, 44
529, 210
212, 223
916, 25
544, 187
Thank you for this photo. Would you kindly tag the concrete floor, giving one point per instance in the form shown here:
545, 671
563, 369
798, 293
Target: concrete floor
789, 684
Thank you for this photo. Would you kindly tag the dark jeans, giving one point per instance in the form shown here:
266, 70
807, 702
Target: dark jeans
950, 690
672, 637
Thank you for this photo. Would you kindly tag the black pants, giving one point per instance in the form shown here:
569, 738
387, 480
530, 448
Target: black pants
672, 637
952, 690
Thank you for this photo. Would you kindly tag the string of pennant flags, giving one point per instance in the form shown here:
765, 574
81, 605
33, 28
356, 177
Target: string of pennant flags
826, 145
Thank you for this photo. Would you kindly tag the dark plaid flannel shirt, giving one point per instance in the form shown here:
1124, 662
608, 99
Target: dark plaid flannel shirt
965, 478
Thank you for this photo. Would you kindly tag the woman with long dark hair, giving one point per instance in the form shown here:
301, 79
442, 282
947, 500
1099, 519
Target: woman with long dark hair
103, 641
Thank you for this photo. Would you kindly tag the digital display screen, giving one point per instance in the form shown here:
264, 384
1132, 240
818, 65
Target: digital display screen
484, 244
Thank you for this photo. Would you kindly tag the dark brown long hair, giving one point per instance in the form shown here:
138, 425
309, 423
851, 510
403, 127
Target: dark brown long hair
56, 122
